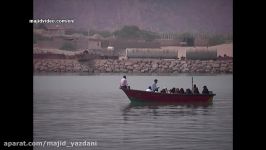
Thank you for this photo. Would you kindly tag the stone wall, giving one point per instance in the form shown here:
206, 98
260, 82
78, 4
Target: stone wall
58, 65
133, 66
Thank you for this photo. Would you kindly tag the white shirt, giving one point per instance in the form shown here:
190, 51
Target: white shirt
154, 86
123, 82
149, 90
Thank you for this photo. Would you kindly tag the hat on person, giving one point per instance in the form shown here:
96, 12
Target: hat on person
155, 80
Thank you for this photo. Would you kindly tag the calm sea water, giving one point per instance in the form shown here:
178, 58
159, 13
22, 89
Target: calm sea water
92, 108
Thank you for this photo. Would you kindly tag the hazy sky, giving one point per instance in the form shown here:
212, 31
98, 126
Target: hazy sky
156, 15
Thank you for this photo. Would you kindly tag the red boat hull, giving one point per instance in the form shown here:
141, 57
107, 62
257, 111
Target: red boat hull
137, 96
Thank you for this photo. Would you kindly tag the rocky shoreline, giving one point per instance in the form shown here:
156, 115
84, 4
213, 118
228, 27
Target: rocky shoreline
133, 66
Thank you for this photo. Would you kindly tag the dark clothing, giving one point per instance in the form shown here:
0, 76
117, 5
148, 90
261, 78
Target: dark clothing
123, 87
163, 91
182, 91
172, 90
188, 91
205, 91
196, 91
177, 91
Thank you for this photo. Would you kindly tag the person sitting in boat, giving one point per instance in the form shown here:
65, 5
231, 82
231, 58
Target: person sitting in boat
188, 91
164, 90
205, 90
172, 91
154, 87
177, 91
195, 89
149, 89
123, 83
182, 91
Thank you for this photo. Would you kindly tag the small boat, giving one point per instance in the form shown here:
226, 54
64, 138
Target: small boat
138, 96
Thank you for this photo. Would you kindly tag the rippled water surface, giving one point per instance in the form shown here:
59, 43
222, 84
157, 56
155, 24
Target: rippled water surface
93, 108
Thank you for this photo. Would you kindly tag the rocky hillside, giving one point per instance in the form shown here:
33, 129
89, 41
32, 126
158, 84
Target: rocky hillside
155, 15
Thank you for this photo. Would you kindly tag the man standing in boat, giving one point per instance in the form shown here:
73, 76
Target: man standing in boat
123, 82
154, 86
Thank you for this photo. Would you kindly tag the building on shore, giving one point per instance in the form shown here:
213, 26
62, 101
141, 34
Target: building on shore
152, 53
201, 54
180, 52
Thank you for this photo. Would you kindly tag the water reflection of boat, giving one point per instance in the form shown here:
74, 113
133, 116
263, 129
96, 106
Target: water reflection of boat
164, 109
137, 96
176, 104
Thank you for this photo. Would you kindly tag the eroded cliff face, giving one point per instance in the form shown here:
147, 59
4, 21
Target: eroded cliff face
155, 15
